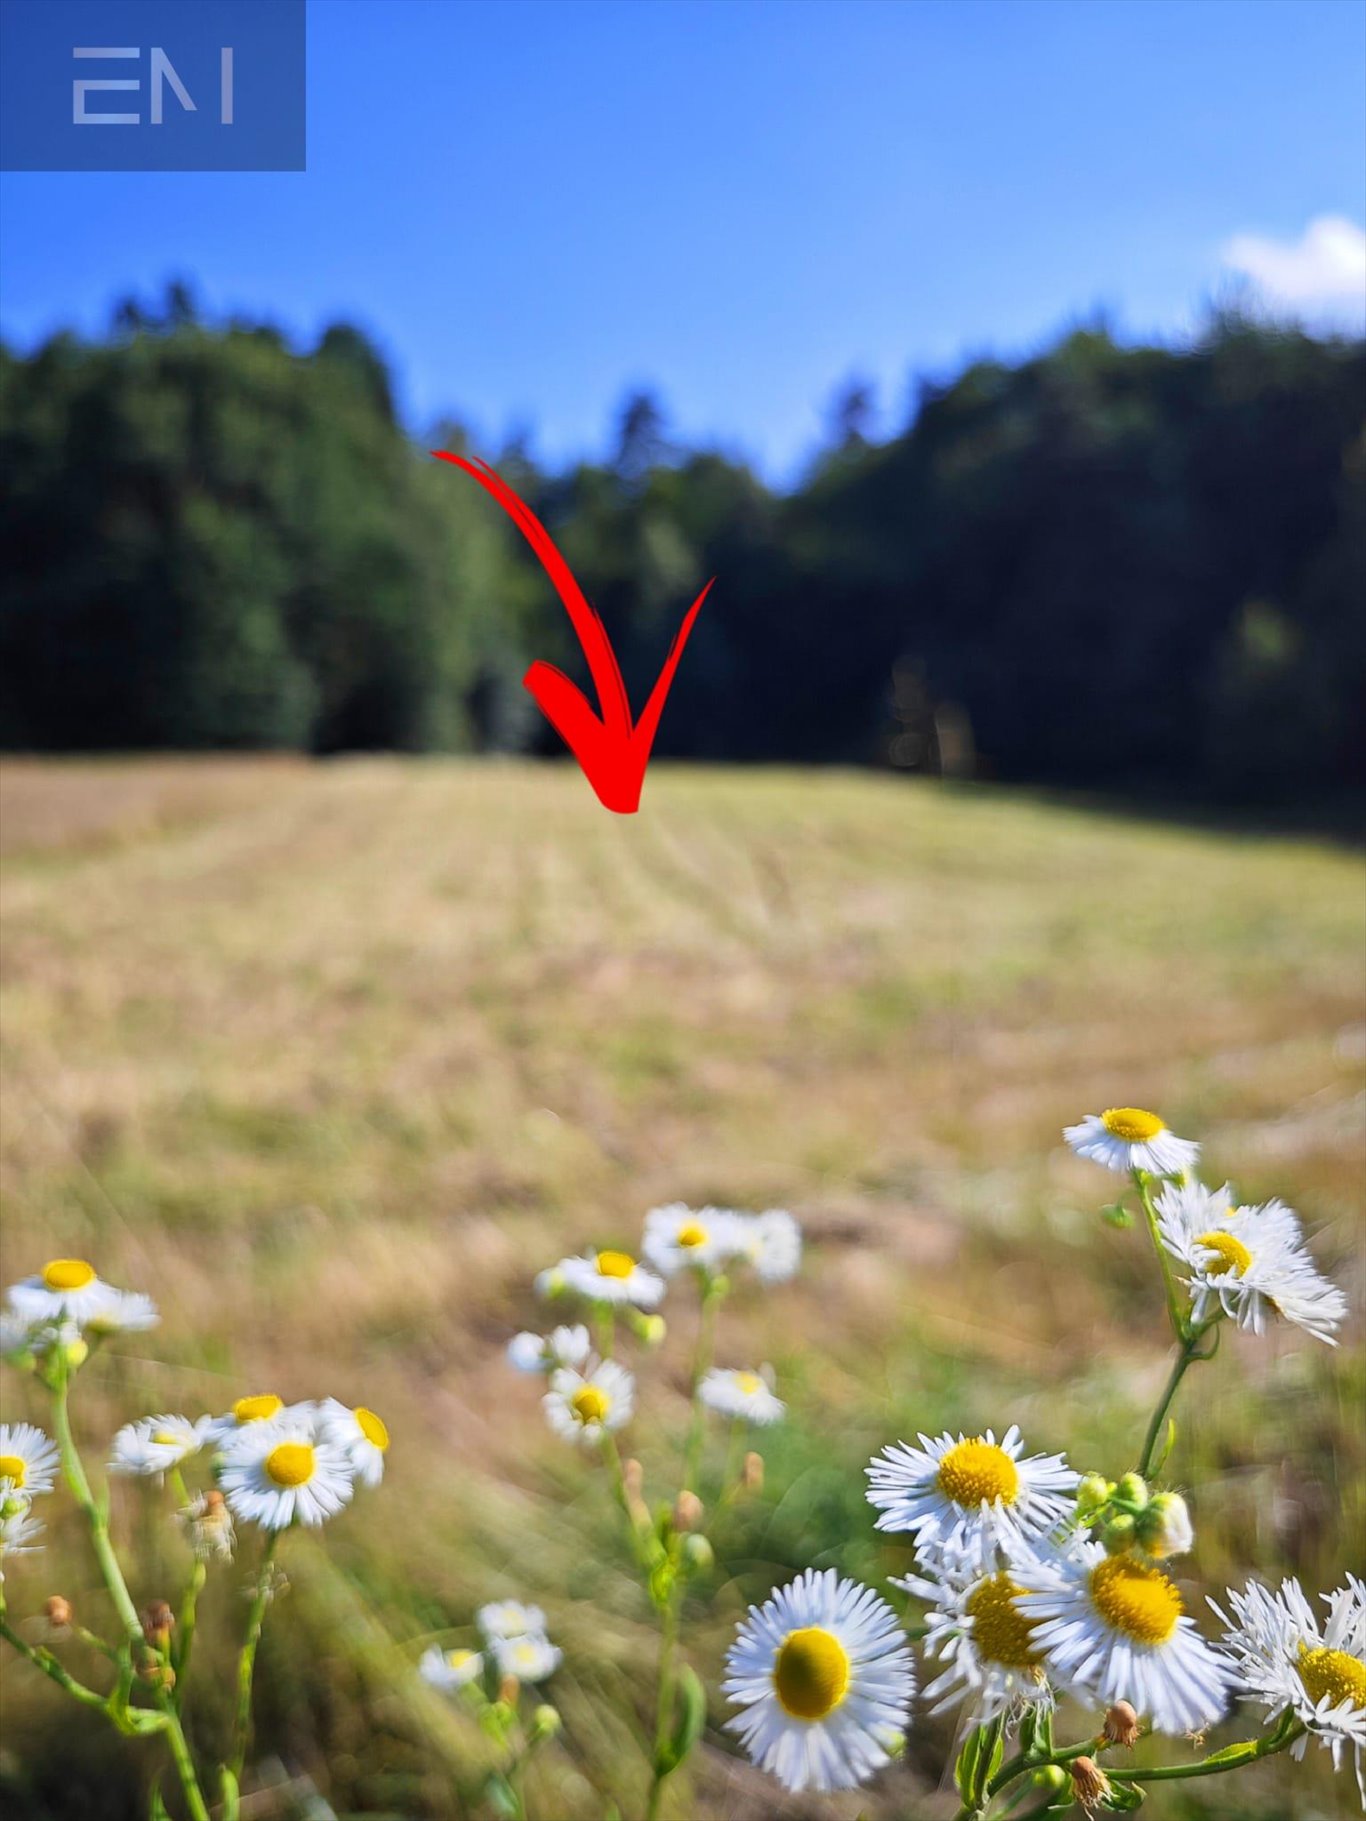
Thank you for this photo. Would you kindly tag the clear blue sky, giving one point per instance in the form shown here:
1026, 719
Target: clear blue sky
534, 206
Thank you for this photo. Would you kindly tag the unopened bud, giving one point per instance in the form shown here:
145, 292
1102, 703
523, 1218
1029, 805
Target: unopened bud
1090, 1785
697, 1551
77, 1352
1117, 1215
1121, 1724
1118, 1534
57, 1612
633, 1475
752, 1473
1165, 1528
157, 1621
13, 1506
687, 1513
1132, 1489
157, 1675
652, 1330
507, 1691
545, 1722
1050, 1776
1093, 1492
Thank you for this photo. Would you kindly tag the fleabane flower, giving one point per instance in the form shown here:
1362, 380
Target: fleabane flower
19, 1533
362, 1434
64, 1288
824, 1678
258, 1407
771, 1242
584, 1406
123, 1312
277, 1473
1114, 1626
154, 1444
566, 1346
1128, 1138
450, 1670
28, 1460
509, 1619
1251, 1261
529, 1658
970, 1495
1164, 1527
984, 1642
1284, 1655
611, 1277
679, 1238
743, 1395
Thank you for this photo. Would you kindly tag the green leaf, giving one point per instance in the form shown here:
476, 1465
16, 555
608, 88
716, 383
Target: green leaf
156, 1808
1124, 1798
692, 1717
1231, 1754
502, 1797
230, 1796
1168, 1443
965, 1771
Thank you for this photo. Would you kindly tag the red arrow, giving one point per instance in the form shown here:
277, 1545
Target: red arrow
612, 749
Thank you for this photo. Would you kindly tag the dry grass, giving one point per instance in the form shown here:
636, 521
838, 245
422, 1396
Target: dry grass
333, 1058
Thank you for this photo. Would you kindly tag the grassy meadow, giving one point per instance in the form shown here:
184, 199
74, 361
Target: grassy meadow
331, 1059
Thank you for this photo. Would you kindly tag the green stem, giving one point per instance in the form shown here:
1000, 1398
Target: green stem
1177, 1315
185, 1626
246, 1662
1187, 1357
44, 1660
712, 1297
605, 1323
665, 1705
99, 1528
1233, 1757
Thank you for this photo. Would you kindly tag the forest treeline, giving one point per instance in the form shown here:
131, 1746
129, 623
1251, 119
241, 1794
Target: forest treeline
1107, 566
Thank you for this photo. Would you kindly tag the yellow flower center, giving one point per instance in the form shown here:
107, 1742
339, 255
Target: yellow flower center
1231, 1253
615, 1264
68, 1274
13, 1467
1132, 1124
371, 1427
692, 1235
1138, 1600
165, 1438
291, 1464
590, 1404
748, 1382
811, 1673
975, 1471
999, 1629
1333, 1673
256, 1409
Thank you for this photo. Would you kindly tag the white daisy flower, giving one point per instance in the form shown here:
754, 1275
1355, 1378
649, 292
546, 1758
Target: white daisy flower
679, 1239
362, 1434
17, 1333
19, 1534
449, 1670
611, 1277
1115, 1627
154, 1444
277, 1473
543, 1352
65, 1287
260, 1407
28, 1460
1127, 1138
1283, 1655
771, 1242
824, 1675
745, 1395
1251, 1261
530, 1658
985, 1643
970, 1495
583, 1406
502, 1619
124, 1312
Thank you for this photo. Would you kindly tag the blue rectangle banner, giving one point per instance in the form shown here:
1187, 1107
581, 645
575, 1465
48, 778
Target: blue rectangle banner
153, 85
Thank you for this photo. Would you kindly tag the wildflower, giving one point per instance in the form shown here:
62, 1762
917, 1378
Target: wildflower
745, 1395
449, 1670
612, 1277
208, 1526
1283, 1655
969, 1495
1090, 1785
824, 1676
123, 1312
18, 1531
984, 1641
1128, 1138
276, 1473
771, 1242
679, 1239
529, 1658
1164, 1527
259, 1407
1115, 1626
361, 1433
156, 1443
1251, 1261
543, 1353
1121, 1724
583, 1406
28, 1460
510, 1619
64, 1288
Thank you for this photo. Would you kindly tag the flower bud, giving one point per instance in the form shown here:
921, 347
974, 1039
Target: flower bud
1117, 1215
1090, 1785
507, 1695
633, 1477
752, 1473
13, 1506
652, 1330
1121, 1724
1050, 1776
687, 1513
1165, 1528
1132, 1489
57, 1612
697, 1551
157, 1622
1093, 1492
545, 1723
157, 1675
1118, 1534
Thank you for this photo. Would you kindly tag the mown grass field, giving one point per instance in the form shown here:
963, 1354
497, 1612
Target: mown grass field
331, 1059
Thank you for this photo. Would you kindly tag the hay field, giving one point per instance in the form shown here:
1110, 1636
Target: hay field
331, 1059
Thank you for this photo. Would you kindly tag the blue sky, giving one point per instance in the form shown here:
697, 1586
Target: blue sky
535, 206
